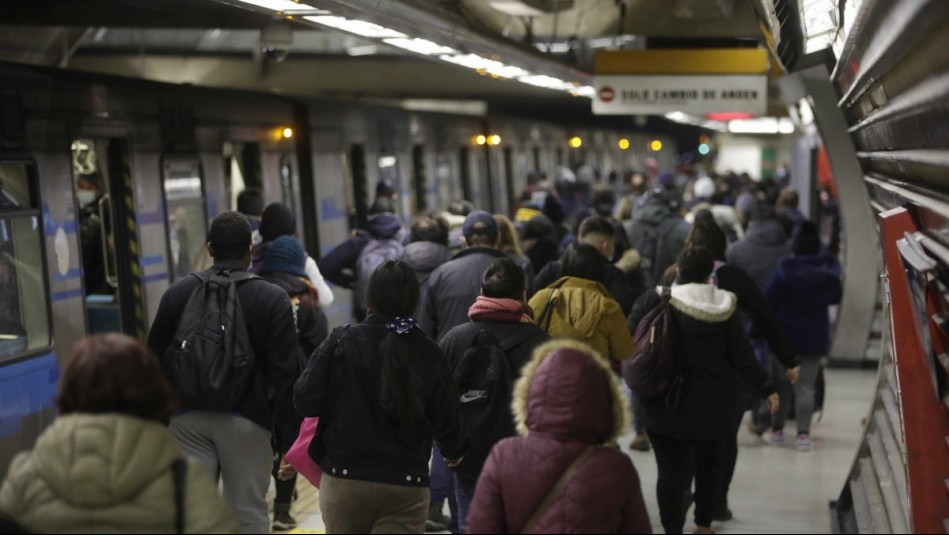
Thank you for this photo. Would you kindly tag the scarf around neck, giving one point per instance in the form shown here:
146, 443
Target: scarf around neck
500, 309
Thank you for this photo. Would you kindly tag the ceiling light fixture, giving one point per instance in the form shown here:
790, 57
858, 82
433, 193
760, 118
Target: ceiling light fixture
358, 27
282, 5
420, 46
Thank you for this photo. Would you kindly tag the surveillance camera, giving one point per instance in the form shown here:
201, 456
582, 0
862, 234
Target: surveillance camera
276, 39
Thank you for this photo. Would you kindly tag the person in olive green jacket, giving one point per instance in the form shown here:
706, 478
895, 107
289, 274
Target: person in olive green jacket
578, 306
106, 465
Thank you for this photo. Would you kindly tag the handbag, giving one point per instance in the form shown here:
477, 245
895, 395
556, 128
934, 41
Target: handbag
299, 455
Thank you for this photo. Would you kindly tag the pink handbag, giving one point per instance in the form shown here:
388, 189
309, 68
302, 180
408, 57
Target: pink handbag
299, 456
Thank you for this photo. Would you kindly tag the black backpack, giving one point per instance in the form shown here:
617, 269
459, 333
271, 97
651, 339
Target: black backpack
649, 241
210, 364
656, 366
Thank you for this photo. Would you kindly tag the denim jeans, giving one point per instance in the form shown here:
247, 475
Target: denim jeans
465, 495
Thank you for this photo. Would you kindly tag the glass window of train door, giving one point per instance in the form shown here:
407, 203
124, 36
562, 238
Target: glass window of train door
186, 212
356, 190
24, 292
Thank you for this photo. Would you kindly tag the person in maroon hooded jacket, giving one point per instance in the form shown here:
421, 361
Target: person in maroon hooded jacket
565, 473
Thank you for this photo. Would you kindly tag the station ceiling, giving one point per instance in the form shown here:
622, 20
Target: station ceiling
219, 43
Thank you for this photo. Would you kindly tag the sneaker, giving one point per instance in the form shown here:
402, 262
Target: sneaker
723, 514
640, 443
436, 519
777, 437
803, 442
702, 530
282, 521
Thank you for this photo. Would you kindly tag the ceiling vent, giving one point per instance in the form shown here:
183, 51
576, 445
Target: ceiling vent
530, 8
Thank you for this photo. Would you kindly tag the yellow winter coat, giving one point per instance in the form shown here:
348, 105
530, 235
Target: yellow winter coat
108, 473
584, 310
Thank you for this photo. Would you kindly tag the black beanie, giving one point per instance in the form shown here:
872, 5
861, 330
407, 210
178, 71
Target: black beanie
277, 220
806, 241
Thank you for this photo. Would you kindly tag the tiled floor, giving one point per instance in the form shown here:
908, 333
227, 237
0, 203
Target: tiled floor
776, 489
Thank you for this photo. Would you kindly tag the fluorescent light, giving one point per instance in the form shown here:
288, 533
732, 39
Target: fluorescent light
549, 82
586, 91
387, 161
489, 66
358, 27
281, 5
761, 125
366, 50
420, 46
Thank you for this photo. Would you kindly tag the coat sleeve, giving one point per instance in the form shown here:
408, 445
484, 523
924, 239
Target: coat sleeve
487, 514
12, 492
443, 413
621, 288
343, 257
162, 333
323, 289
283, 356
427, 318
635, 516
204, 509
311, 392
739, 351
757, 307
644, 304
621, 342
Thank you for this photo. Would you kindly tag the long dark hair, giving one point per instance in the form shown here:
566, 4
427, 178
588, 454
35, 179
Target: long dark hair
393, 293
706, 233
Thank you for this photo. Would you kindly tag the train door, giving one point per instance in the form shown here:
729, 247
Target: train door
356, 190
107, 235
243, 170
186, 213
419, 180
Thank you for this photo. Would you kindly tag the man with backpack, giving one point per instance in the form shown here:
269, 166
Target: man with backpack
228, 347
658, 232
486, 356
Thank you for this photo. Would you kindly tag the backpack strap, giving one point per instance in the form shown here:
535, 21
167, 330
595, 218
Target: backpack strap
557, 490
544, 321
179, 471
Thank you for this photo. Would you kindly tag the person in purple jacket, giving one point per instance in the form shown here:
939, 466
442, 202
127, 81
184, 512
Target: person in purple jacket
800, 291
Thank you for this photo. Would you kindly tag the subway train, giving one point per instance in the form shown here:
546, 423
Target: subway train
107, 186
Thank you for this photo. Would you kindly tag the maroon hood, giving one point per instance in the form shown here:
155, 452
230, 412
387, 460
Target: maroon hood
568, 392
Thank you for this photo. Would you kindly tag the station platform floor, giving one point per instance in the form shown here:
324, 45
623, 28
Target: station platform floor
776, 489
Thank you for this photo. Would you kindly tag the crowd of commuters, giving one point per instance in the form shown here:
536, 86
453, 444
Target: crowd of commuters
483, 368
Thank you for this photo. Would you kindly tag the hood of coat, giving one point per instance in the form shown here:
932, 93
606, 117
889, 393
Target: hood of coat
425, 256
823, 271
568, 391
290, 283
655, 211
768, 232
579, 302
703, 302
384, 225
94, 460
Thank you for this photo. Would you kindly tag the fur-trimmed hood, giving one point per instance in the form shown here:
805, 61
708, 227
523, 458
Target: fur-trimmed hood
568, 392
703, 302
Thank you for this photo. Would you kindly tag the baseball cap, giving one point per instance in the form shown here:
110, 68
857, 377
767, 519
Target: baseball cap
484, 222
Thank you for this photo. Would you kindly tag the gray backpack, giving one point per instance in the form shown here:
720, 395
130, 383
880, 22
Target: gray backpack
374, 253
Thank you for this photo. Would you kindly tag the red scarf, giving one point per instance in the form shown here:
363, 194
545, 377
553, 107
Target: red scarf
499, 309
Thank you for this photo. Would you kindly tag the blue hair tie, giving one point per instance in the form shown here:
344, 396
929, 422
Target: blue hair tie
401, 325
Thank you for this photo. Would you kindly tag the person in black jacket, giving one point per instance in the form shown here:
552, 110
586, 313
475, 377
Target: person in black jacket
765, 328
381, 389
284, 265
715, 353
501, 312
235, 446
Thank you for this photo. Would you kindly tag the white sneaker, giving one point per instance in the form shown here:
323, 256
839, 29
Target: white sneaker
777, 437
803, 442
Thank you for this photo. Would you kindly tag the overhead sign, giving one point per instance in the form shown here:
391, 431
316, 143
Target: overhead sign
694, 95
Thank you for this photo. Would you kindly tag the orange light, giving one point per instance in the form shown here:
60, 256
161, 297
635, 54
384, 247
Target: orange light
480, 139
575, 142
623, 144
703, 138
494, 140
656, 145
287, 133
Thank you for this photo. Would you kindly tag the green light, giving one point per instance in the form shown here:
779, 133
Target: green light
704, 149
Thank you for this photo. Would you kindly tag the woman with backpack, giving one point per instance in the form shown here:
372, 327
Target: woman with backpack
578, 306
713, 352
564, 474
284, 264
382, 390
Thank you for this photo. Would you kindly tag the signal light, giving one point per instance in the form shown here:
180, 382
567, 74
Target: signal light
575, 142
704, 149
480, 139
656, 145
623, 144
287, 133
494, 140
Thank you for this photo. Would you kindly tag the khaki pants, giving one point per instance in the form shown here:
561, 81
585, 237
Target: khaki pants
353, 506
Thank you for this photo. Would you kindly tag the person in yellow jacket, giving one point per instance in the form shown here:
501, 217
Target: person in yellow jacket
578, 306
108, 463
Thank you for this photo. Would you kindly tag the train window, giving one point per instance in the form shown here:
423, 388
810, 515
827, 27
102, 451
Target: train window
187, 219
24, 300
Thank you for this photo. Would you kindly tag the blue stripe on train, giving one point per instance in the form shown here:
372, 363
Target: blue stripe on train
26, 388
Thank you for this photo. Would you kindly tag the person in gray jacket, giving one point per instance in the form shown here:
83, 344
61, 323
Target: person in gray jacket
429, 247
764, 245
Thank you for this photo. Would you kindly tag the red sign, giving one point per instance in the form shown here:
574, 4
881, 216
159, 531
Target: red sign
607, 94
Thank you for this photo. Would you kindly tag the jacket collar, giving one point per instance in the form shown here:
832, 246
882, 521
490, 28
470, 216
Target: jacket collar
229, 265
703, 302
476, 250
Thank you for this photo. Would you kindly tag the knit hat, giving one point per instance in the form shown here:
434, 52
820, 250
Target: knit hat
704, 188
807, 240
277, 220
286, 255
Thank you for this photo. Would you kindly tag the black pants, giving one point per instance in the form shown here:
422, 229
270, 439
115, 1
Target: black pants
677, 460
284, 497
729, 460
